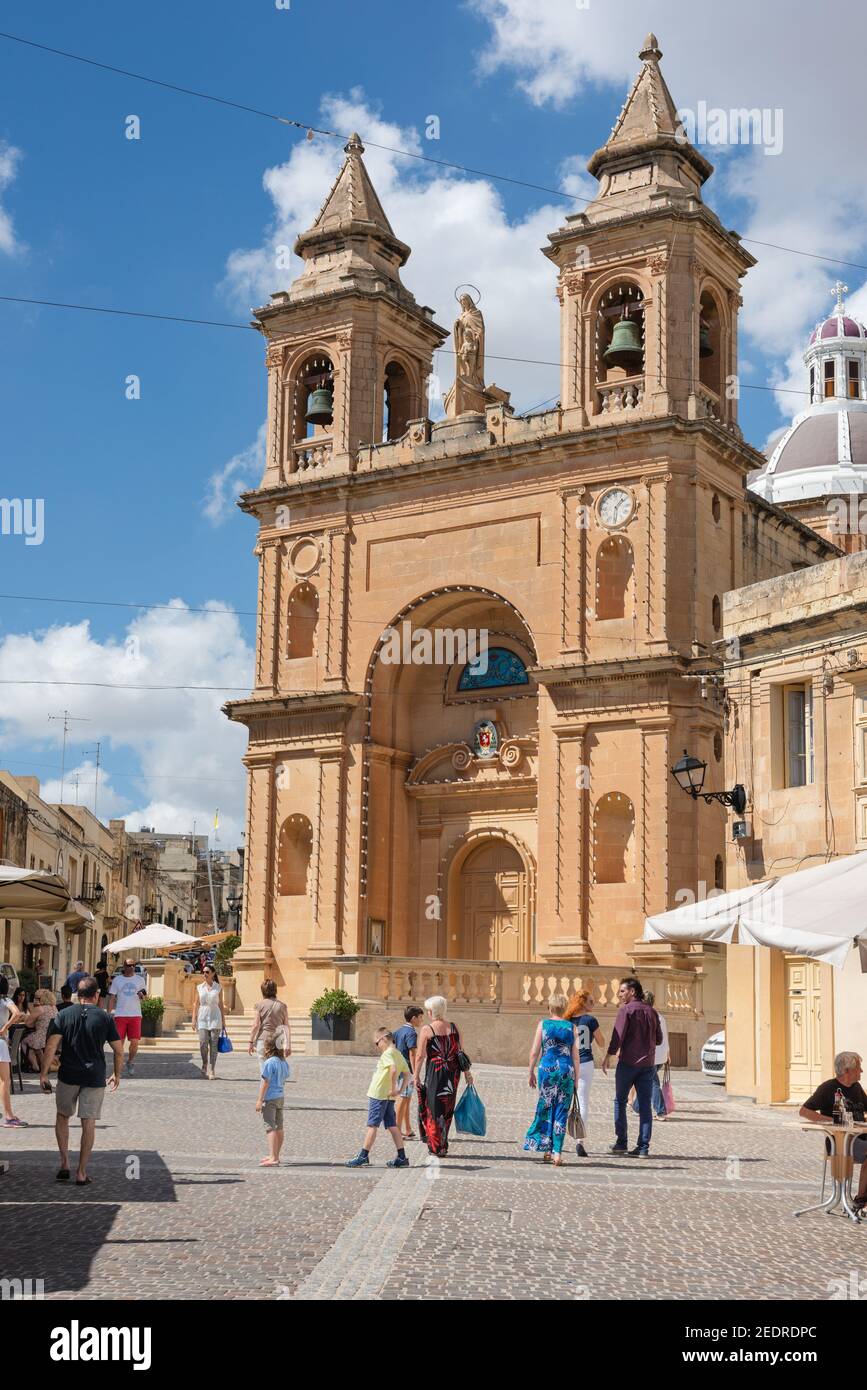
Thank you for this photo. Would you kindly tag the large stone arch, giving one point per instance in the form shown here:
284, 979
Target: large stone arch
386, 717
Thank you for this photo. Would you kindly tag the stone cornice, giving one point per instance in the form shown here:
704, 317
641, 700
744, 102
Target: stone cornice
639, 435
305, 702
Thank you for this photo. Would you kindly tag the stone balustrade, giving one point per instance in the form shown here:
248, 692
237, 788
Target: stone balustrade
507, 987
621, 395
314, 453
709, 404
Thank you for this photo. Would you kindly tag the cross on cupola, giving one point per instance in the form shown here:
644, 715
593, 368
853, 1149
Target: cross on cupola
838, 290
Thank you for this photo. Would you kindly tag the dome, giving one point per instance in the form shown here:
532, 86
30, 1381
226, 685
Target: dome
837, 326
822, 453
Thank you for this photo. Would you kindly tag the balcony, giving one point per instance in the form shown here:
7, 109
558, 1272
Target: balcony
621, 396
313, 453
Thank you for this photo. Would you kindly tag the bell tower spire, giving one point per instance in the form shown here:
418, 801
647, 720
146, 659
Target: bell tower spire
649, 277
349, 348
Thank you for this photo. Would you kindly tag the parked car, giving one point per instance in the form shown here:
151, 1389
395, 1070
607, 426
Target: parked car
11, 975
713, 1057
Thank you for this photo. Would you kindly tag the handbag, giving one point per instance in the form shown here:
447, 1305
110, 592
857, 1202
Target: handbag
225, 1043
464, 1062
470, 1114
667, 1089
575, 1127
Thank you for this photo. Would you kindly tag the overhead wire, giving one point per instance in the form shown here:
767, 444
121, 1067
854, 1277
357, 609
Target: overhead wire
371, 144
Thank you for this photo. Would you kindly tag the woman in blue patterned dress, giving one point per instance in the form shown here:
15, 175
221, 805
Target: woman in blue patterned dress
555, 1049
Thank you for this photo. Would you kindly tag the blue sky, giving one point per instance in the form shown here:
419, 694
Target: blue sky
180, 221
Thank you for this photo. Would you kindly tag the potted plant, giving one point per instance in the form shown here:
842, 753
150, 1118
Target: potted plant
224, 953
152, 1010
332, 1014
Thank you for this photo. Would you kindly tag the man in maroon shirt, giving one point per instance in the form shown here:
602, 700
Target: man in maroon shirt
637, 1034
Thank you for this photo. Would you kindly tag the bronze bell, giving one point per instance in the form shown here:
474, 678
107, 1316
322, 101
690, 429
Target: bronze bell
704, 347
625, 348
320, 406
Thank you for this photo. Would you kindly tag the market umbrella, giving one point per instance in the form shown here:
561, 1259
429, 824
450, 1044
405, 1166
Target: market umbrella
31, 895
150, 939
819, 912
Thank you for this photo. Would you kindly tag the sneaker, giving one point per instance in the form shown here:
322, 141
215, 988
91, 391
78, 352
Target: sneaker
130, 1068
359, 1161
581, 1151
638, 1152
618, 1149
398, 1162
15, 1123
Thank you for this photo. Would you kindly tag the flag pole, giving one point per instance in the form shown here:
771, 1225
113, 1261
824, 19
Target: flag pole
215, 926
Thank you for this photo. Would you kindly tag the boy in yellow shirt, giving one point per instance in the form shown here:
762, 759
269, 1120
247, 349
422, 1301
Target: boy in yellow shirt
384, 1089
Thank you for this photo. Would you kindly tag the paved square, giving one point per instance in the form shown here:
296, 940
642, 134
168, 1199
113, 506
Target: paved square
179, 1207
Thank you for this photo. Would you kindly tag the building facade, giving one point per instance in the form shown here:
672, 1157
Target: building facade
796, 716
417, 817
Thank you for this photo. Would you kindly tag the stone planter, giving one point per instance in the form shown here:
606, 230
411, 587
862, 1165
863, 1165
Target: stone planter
151, 1027
330, 1028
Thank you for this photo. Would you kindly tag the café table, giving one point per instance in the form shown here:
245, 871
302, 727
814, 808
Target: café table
841, 1163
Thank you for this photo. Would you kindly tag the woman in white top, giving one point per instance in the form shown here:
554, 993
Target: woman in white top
8, 1015
209, 1019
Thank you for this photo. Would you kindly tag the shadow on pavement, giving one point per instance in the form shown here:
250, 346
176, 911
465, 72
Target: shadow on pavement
118, 1176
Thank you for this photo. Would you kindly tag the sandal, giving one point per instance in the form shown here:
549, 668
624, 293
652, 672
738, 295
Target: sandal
62, 1175
83, 1182
410, 1135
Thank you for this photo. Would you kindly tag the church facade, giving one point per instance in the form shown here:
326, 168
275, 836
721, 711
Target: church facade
484, 641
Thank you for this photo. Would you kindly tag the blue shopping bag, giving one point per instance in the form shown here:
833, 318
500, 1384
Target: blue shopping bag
470, 1113
225, 1043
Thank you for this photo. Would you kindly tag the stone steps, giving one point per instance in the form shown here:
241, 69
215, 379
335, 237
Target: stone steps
238, 1026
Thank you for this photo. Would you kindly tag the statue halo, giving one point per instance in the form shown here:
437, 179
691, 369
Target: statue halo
468, 287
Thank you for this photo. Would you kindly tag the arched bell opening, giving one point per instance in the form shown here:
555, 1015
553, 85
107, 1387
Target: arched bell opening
620, 335
710, 344
311, 399
397, 402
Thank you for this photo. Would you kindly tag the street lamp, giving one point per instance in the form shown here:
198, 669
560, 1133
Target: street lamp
233, 902
689, 774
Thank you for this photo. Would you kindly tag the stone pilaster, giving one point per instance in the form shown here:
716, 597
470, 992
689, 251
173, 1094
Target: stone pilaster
267, 637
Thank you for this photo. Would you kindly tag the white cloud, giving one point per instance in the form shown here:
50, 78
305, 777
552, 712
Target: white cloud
9, 159
244, 470
457, 228
812, 196
189, 753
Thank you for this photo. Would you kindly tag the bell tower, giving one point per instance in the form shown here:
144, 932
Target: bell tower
349, 348
649, 277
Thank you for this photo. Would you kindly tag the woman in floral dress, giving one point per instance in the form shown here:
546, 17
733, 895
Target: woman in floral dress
438, 1049
555, 1050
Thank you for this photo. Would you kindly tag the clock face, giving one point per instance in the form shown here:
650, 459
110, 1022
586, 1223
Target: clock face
615, 507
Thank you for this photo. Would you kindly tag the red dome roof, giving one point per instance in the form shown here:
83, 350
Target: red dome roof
838, 326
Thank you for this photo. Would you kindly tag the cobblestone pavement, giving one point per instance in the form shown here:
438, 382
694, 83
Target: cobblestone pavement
179, 1207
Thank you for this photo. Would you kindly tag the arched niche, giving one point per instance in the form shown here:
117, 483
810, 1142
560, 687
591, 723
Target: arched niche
302, 618
315, 369
295, 846
614, 839
615, 571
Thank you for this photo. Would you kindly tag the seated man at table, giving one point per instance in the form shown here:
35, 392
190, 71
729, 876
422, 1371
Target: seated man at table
820, 1107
